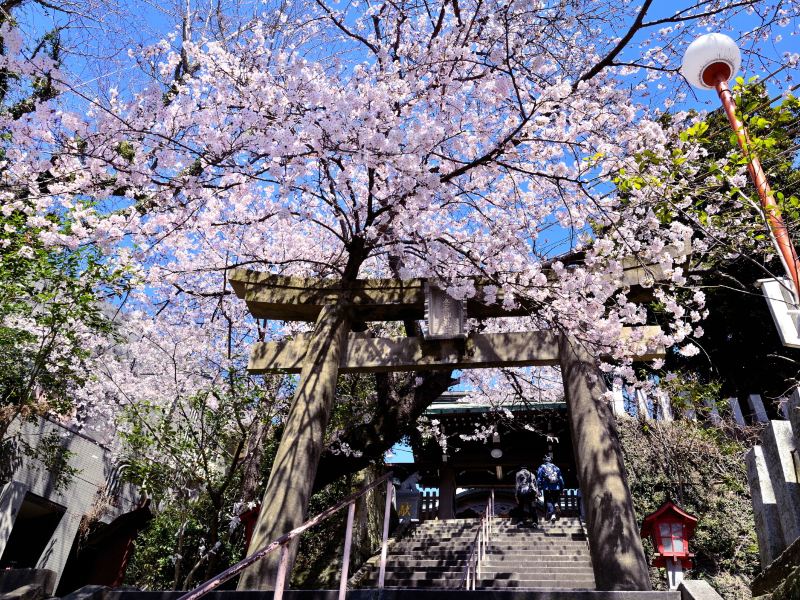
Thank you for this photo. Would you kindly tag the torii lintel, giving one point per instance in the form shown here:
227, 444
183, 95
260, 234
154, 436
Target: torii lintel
278, 297
365, 354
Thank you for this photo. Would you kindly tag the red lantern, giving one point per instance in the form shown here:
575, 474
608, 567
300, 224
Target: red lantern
670, 529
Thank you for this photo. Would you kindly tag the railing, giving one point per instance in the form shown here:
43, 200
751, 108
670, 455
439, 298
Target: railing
283, 542
429, 508
570, 501
472, 570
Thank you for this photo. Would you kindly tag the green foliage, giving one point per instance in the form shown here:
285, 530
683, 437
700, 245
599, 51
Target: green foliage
193, 442
51, 452
172, 552
202, 459
50, 304
703, 471
740, 345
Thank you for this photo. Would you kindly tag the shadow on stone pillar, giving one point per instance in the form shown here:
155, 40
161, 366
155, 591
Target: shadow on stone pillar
765, 509
294, 468
618, 558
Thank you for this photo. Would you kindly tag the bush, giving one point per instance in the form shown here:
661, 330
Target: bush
701, 469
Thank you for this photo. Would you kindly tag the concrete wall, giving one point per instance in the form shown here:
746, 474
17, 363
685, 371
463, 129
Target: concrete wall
77, 496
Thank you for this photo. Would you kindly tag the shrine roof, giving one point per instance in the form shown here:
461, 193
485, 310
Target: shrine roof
454, 408
454, 403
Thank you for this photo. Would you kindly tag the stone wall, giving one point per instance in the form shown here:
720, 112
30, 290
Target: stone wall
773, 469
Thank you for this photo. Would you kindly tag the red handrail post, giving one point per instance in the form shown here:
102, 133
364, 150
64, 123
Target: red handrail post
780, 234
283, 567
385, 538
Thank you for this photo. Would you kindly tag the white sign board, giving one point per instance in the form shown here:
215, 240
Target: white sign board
784, 311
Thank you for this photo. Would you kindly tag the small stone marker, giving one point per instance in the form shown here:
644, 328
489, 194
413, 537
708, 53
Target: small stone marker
618, 402
642, 405
765, 508
666, 406
778, 447
713, 414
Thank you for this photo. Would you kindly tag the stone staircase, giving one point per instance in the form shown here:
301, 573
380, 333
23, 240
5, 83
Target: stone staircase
551, 562
552, 556
427, 563
434, 554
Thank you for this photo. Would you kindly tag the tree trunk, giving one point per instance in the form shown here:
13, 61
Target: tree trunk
400, 403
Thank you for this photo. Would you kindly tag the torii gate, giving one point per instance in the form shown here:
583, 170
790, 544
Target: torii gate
618, 558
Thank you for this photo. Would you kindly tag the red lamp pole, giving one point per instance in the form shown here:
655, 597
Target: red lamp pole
717, 75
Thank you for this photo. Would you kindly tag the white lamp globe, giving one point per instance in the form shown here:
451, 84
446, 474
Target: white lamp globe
496, 453
709, 58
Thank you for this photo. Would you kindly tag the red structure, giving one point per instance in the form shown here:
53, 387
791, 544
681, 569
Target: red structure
670, 529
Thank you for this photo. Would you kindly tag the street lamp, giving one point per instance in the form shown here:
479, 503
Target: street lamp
709, 63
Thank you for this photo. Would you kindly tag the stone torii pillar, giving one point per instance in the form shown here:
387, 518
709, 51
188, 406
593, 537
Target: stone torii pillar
618, 558
617, 554
295, 466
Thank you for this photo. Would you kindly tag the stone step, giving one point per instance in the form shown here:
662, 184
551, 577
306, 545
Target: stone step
523, 526
573, 521
422, 563
580, 583
538, 533
403, 575
565, 559
542, 531
533, 541
493, 545
464, 551
494, 584
501, 563
521, 573
523, 553
414, 593
438, 539
533, 553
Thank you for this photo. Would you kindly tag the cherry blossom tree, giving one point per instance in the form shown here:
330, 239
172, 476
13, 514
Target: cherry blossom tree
445, 140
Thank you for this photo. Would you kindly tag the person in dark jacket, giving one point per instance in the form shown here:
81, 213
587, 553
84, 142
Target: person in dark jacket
525, 493
550, 481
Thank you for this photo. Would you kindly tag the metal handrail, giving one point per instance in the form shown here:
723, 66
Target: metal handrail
472, 570
283, 543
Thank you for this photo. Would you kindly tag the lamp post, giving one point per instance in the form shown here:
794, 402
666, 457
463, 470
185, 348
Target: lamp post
670, 529
709, 63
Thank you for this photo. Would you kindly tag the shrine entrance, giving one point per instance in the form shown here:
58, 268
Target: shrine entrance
459, 482
618, 559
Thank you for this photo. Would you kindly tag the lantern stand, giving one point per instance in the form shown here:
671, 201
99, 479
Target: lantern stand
710, 62
670, 528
